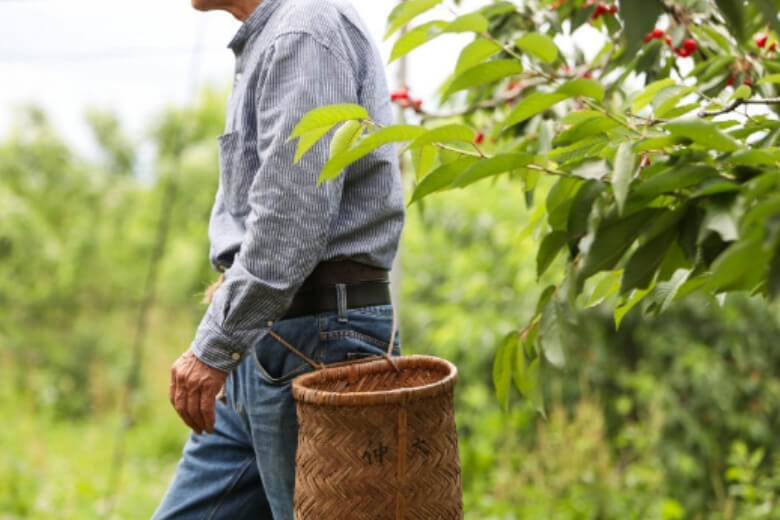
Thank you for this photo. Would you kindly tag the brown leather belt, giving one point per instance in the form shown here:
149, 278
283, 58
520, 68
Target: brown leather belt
363, 285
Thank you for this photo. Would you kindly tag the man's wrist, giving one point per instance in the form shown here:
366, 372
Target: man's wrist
214, 348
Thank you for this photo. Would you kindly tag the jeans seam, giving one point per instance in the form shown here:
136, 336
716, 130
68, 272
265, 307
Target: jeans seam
335, 334
230, 488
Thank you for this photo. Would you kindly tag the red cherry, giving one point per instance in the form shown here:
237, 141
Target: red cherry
731, 79
587, 75
772, 46
600, 9
657, 33
404, 102
417, 103
761, 39
399, 93
748, 82
668, 39
648, 37
479, 138
690, 45
613, 9
682, 52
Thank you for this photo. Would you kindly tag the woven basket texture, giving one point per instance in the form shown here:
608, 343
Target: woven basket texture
376, 443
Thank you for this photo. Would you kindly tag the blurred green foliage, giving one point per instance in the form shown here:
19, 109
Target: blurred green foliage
673, 418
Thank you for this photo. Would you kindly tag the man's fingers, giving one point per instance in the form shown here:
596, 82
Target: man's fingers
172, 388
193, 409
180, 400
207, 410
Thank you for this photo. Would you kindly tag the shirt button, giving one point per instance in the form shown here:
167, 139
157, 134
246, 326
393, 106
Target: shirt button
236, 356
269, 323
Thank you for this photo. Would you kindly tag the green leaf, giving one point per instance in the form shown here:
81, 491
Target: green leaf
704, 133
493, 166
484, 73
769, 10
612, 239
643, 264
423, 159
733, 12
719, 39
370, 143
627, 304
418, 36
712, 186
539, 46
405, 12
580, 210
545, 297
720, 219
671, 179
739, 266
639, 18
655, 143
551, 334
742, 92
589, 88
560, 200
666, 101
442, 177
773, 275
622, 174
606, 287
497, 9
587, 128
772, 78
345, 136
475, 53
453, 132
665, 292
531, 105
756, 157
644, 99
551, 245
308, 140
538, 102
575, 152
473, 22
502, 368
520, 366
327, 116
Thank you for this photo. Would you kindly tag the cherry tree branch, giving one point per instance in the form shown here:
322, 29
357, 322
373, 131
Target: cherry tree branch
738, 103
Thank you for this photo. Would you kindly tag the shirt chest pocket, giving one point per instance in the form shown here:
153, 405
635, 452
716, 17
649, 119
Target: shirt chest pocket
238, 163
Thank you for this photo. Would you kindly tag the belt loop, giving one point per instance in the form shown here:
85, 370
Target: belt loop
341, 299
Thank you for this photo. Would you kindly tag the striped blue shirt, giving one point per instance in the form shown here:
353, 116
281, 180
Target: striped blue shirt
271, 224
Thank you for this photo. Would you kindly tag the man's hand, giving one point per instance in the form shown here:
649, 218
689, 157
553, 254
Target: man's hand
194, 388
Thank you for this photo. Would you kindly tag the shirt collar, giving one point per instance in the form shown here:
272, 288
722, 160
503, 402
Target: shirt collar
254, 23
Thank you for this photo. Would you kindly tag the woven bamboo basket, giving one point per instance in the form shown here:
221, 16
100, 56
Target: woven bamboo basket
377, 440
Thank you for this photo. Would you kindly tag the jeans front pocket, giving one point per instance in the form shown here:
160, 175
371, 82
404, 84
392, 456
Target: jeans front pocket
236, 171
276, 363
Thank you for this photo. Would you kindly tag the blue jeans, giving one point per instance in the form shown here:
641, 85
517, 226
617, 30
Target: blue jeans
246, 468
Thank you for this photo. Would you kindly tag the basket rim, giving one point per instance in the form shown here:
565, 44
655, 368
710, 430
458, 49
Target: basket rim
304, 394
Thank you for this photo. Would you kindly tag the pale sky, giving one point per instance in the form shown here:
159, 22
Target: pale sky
136, 57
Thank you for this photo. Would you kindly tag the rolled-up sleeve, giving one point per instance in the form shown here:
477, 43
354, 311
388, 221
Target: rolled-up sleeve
290, 215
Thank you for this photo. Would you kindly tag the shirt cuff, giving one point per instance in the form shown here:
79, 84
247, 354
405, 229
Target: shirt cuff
217, 349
